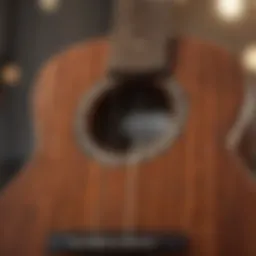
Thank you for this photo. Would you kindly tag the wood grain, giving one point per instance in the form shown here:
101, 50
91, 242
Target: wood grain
197, 186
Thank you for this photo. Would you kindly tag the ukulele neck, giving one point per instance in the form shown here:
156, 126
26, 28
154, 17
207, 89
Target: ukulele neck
140, 36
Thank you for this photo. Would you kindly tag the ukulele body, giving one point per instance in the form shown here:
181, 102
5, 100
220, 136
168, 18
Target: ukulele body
196, 186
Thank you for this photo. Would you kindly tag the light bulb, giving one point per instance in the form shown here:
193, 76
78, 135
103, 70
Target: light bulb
49, 6
11, 74
249, 58
231, 10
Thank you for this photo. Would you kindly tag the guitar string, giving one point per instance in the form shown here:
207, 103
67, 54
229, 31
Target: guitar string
95, 216
131, 194
130, 209
104, 174
103, 180
130, 183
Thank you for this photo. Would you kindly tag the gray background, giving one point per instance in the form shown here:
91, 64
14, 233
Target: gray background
33, 36
40, 35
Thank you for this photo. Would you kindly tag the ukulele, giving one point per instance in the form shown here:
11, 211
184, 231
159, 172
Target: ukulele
136, 143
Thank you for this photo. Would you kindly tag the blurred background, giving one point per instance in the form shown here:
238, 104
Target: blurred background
31, 31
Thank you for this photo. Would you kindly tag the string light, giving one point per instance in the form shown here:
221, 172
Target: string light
49, 6
249, 58
231, 10
10, 74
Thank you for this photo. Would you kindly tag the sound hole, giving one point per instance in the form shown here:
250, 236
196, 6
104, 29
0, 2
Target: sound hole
133, 114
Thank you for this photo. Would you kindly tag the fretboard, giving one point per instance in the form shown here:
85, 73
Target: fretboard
140, 34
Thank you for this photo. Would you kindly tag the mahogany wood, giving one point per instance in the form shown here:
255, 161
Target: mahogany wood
196, 186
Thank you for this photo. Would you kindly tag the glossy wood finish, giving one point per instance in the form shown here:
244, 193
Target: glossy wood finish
197, 186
